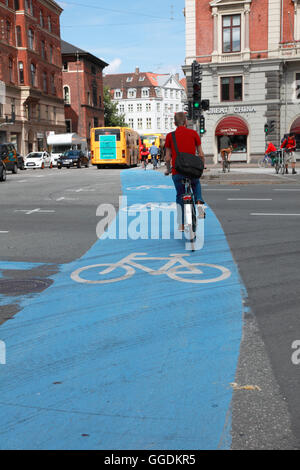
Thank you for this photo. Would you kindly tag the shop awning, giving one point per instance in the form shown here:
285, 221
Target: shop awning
295, 128
232, 125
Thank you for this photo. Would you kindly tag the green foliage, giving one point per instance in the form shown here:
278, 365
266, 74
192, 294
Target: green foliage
112, 118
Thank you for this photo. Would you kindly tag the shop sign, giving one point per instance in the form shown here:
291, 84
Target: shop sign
232, 110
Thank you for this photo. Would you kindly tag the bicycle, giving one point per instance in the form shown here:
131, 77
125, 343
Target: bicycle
176, 267
265, 162
189, 211
280, 162
225, 161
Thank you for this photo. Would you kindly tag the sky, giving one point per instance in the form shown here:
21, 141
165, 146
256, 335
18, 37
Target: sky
149, 34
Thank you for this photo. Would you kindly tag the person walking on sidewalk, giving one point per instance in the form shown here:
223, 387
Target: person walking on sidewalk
188, 141
154, 155
289, 146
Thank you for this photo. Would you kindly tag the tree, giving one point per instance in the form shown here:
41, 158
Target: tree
112, 118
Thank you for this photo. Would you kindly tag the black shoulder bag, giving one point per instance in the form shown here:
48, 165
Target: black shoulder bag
187, 164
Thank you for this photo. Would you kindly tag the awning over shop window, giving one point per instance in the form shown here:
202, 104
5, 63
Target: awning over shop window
296, 126
232, 125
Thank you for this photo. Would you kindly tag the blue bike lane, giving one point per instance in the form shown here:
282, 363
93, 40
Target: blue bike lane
145, 362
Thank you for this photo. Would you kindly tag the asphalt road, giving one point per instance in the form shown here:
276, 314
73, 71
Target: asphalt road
262, 225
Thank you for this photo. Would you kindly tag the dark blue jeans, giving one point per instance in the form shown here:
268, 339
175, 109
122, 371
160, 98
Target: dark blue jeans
180, 189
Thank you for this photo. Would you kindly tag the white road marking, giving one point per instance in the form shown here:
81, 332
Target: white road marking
222, 189
32, 211
275, 214
4, 231
81, 190
248, 199
283, 189
67, 199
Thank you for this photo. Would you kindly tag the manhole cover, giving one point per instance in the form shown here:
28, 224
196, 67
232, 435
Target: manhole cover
23, 286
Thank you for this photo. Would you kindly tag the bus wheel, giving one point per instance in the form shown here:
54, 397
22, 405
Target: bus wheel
99, 167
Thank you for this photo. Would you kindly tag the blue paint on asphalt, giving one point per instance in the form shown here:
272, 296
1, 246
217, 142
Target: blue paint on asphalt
144, 363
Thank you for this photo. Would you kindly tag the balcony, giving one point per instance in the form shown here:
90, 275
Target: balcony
227, 58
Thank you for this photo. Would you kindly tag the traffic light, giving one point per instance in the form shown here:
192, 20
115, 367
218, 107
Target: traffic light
271, 127
205, 105
188, 109
202, 125
266, 128
196, 100
196, 72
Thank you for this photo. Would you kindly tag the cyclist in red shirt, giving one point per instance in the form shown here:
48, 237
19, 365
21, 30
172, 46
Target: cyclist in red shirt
188, 141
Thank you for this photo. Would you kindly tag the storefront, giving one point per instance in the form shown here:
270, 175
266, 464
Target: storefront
238, 132
295, 129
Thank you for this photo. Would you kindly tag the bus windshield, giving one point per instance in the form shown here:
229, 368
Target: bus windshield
99, 132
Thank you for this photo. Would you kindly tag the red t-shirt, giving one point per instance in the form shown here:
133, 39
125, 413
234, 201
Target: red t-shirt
271, 148
187, 141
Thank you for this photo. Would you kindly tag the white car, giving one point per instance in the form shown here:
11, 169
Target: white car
38, 160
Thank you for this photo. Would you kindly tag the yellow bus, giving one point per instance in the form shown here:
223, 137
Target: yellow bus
114, 146
159, 141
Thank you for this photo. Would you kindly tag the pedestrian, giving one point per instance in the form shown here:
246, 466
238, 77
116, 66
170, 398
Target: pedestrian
154, 155
188, 141
289, 147
144, 156
225, 147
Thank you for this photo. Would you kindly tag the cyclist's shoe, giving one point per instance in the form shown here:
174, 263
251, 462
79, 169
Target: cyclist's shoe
286, 171
294, 171
201, 211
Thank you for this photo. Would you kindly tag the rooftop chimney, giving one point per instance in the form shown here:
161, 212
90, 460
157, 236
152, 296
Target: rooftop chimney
137, 71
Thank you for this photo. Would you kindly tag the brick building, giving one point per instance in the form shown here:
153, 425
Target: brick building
250, 52
147, 100
30, 72
82, 89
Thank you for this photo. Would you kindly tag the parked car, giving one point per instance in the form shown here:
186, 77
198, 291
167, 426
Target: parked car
21, 161
2, 171
8, 155
73, 158
38, 160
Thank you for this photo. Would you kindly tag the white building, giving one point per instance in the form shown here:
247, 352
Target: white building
148, 100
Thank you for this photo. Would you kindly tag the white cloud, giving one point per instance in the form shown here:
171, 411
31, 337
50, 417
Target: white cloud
113, 66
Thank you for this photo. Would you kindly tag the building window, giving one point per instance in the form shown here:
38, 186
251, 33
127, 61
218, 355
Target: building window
45, 84
43, 50
49, 24
145, 93
158, 107
158, 123
21, 73
93, 71
140, 123
8, 32
52, 84
67, 96
30, 38
19, 36
131, 93
130, 108
51, 54
148, 123
118, 94
148, 107
33, 74
65, 67
11, 69
47, 113
121, 108
68, 126
17, 4
41, 19
231, 88
139, 107
298, 86
231, 33
95, 95
54, 114
129, 79
130, 123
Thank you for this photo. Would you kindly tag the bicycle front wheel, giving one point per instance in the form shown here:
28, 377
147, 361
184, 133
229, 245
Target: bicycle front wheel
198, 273
92, 276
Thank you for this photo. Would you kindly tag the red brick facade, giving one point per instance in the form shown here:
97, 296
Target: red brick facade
30, 67
83, 90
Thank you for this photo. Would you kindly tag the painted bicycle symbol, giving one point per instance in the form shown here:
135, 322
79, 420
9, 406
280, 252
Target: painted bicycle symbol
177, 267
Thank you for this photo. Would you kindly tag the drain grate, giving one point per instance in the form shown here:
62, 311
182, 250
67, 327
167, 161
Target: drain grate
23, 286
